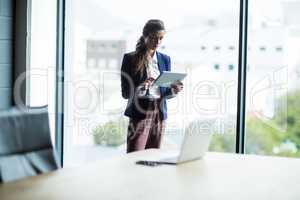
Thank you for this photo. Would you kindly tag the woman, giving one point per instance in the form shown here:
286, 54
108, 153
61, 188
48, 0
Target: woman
146, 108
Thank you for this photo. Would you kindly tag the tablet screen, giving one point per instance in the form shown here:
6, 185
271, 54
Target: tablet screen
166, 78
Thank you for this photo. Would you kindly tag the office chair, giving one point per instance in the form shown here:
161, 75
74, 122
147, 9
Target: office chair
25, 144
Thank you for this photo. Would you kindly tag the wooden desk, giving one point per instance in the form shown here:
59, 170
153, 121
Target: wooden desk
217, 176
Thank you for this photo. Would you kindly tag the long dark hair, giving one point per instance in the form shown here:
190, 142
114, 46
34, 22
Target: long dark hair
152, 26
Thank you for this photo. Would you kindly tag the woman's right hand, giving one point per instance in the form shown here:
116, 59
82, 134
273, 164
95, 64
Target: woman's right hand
148, 82
143, 87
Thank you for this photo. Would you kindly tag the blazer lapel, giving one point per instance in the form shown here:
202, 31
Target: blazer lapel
160, 62
161, 69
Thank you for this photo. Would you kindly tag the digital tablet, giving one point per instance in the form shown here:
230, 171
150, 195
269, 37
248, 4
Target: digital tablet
166, 78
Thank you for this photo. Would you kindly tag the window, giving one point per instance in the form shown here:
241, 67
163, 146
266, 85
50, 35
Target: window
279, 48
231, 48
217, 66
91, 63
217, 48
262, 48
272, 83
101, 63
208, 92
40, 90
272, 80
113, 64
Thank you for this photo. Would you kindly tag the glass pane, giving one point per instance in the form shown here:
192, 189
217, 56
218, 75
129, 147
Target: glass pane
202, 40
273, 78
42, 58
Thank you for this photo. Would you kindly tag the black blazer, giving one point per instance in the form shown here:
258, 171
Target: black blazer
130, 81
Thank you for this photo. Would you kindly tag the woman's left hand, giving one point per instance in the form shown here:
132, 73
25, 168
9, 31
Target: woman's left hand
177, 87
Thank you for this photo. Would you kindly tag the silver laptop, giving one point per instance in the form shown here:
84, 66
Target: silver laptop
195, 143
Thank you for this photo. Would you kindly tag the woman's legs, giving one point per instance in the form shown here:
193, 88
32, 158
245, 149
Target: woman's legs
155, 133
138, 131
145, 133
